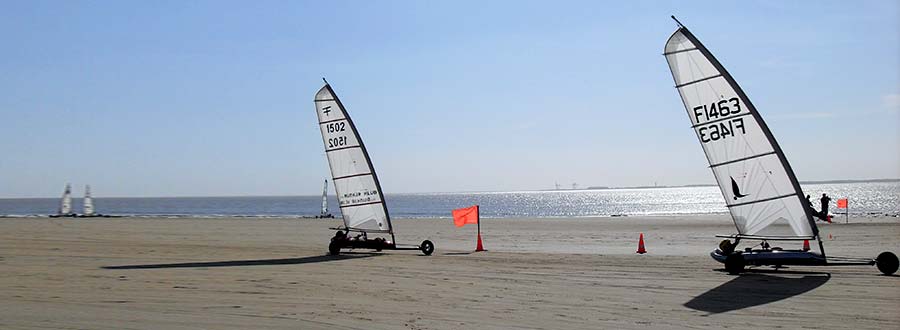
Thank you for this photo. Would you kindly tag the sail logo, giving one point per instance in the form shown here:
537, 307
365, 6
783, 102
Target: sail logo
326, 110
736, 190
364, 196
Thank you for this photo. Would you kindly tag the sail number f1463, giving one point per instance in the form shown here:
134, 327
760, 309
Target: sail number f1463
720, 129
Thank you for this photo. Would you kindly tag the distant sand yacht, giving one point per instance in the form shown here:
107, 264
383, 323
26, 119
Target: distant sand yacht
89, 204
65, 205
89, 211
325, 214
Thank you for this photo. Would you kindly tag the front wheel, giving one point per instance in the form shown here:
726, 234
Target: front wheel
427, 247
734, 263
887, 263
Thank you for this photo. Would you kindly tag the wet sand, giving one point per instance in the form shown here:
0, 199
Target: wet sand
566, 273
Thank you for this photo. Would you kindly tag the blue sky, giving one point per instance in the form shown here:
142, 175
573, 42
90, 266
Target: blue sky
211, 98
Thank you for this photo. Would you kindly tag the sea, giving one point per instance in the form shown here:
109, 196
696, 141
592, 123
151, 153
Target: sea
865, 199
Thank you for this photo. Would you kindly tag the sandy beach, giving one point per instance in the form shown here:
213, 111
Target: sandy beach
560, 273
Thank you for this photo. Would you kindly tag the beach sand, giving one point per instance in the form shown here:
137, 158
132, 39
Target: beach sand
565, 273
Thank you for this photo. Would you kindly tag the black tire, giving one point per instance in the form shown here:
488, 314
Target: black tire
427, 247
379, 244
334, 247
887, 263
734, 263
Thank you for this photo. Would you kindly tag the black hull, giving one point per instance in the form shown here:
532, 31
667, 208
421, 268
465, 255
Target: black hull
774, 257
735, 262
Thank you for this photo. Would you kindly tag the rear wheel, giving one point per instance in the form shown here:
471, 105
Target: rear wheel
734, 263
379, 244
887, 263
427, 247
334, 248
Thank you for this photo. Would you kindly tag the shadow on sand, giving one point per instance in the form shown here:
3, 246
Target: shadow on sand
756, 287
236, 263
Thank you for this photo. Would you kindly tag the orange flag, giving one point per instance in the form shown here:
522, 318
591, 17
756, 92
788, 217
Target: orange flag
842, 203
464, 216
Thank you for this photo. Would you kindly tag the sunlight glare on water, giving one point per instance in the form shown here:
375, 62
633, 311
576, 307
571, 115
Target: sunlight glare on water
865, 199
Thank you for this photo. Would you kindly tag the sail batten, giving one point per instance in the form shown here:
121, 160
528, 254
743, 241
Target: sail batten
351, 176
759, 186
761, 200
359, 193
698, 81
742, 159
720, 119
339, 149
680, 51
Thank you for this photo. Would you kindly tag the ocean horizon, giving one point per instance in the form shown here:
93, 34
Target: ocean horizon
866, 198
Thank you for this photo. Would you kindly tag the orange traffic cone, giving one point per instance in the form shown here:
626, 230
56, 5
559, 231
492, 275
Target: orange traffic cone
641, 249
479, 247
806, 245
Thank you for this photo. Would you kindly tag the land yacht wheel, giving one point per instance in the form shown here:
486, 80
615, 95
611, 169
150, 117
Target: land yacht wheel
427, 247
887, 263
334, 247
734, 263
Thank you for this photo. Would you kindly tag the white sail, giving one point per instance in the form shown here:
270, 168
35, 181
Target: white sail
759, 187
325, 199
88, 202
65, 206
355, 182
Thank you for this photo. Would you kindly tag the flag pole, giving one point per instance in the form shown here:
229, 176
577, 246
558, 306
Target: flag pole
847, 214
478, 247
478, 214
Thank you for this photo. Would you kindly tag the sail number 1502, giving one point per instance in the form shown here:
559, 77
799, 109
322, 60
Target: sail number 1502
339, 141
336, 127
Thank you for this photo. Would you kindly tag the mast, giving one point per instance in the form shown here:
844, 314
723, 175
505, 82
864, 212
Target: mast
776, 149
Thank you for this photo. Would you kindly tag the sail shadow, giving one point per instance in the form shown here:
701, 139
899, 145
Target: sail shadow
754, 289
238, 263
